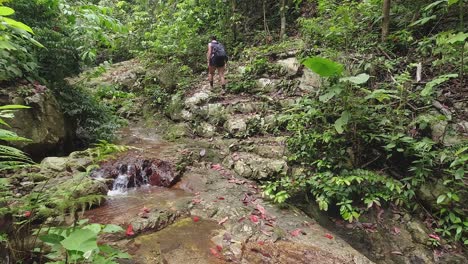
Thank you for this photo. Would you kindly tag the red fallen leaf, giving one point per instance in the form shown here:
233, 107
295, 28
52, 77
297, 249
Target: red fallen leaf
434, 236
196, 219
396, 230
295, 232
196, 201
220, 198
214, 252
216, 167
241, 219
129, 231
219, 248
254, 218
262, 210
146, 210
222, 221
261, 243
27, 214
328, 236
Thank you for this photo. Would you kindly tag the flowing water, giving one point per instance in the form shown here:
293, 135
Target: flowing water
185, 241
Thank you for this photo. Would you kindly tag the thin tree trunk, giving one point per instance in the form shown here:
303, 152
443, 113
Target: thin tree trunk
265, 24
283, 18
234, 22
386, 19
462, 46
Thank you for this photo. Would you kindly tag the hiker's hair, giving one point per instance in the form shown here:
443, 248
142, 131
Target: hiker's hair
213, 37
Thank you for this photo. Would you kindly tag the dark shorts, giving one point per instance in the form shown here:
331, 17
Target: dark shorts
218, 62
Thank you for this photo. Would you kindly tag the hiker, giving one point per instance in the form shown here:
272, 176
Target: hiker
217, 59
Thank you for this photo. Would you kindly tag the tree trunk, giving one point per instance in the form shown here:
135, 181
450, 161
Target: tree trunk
386, 19
234, 21
283, 18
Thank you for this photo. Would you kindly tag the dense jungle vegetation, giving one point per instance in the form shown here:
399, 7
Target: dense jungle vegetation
363, 140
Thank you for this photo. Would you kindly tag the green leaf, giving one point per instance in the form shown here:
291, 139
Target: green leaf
10, 136
460, 173
323, 67
451, 2
7, 45
358, 79
441, 198
96, 228
6, 11
459, 37
17, 24
51, 238
428, 89
112, 229
342, 121
81, 240
10, 107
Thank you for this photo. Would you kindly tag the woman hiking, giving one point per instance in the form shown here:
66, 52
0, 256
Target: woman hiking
217, 59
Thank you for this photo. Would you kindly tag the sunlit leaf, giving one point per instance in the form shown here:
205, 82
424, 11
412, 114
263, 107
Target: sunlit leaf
323, 67
358, 79
6, 11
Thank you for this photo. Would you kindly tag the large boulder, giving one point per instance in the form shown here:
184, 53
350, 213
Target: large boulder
44, 123
236, 126
309, 81
252, 166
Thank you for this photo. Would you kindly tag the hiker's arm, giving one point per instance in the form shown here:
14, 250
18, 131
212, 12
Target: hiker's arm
208, 55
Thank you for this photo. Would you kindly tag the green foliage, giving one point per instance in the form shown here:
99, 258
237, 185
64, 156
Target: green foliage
94, 120
348, 132
15, 58
10, 157
79, 244
323, 66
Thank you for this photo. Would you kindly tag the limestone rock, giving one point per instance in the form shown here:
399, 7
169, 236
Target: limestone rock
266, 85
290, 64
54, 163
197, 99
252, 166
206, 130
44, 124
310, 81
236, 126
186, 115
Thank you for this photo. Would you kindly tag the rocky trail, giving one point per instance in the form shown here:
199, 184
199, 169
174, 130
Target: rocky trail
192, 189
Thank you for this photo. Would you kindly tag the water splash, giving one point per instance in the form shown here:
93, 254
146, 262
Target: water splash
120, 185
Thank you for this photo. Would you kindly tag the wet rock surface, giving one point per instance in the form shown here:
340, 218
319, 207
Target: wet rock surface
140, 171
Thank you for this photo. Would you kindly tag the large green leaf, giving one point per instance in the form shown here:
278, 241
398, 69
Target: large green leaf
11, 136
6, 11
51, 238
82, 240
323, 66
112, 229
342, 121
451, 2
358, 79
459, 37
17, 24
428, 89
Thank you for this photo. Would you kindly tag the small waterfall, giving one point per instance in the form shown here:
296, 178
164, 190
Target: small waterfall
121, 182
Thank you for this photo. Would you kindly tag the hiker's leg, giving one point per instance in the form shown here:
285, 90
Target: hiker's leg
211, 70
221, 76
